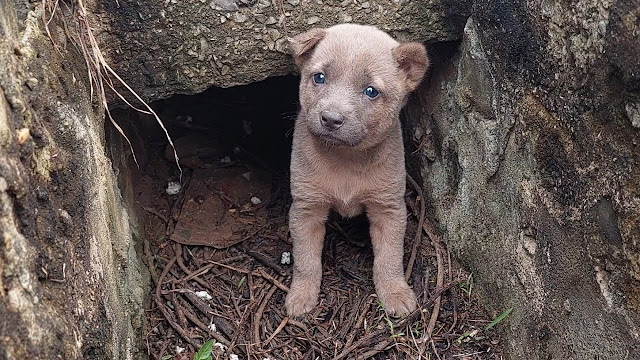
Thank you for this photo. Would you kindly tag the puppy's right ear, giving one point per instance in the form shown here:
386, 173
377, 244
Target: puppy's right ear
302, 44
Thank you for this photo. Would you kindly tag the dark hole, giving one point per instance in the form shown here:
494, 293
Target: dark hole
250, 126
257, 118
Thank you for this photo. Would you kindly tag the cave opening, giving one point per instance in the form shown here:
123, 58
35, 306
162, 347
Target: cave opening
221, 135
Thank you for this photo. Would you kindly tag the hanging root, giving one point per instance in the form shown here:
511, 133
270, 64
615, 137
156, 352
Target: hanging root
99, 72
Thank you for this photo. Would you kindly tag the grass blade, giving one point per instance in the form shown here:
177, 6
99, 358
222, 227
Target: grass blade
499, 318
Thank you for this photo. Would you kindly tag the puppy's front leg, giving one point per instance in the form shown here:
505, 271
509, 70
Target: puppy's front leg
387, 227
307, 226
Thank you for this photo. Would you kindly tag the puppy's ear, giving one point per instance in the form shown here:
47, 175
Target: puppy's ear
413, 61
302, 44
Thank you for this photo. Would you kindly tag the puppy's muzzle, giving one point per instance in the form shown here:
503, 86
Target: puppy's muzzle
331, 120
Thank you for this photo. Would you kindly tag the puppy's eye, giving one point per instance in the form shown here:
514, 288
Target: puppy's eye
371, 92
318, 78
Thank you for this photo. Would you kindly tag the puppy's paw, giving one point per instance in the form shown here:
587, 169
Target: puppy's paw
397, 297
301, 299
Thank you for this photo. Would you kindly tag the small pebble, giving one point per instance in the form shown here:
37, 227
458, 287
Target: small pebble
41, 192
65, 217
239, 17
256, 200
346, 18
233, 357
224, 5
32, 83
418, 133
173, 188
23, 135
567, 306
285, 259
16, 103
203, 295
263, 4
312, 20
633, 113
274, 34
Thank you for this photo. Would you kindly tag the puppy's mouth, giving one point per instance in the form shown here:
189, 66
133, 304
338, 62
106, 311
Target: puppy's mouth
332, 139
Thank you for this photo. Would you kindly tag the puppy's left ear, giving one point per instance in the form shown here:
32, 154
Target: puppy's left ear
413, 61
301, 45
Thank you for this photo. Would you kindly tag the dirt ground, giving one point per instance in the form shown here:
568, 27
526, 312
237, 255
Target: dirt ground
217, 246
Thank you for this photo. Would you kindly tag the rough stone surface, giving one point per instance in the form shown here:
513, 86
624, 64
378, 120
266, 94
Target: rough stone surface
71, 285
531, 163
164, 47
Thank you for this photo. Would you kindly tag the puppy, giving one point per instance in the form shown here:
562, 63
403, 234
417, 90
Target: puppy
348, 153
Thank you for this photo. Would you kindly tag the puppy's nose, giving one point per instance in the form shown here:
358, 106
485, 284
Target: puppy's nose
331, 120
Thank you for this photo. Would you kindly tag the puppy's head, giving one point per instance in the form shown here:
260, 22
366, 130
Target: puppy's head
355, 79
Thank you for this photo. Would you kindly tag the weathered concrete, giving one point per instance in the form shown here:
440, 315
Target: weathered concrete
71, 285
183, 47
531, 163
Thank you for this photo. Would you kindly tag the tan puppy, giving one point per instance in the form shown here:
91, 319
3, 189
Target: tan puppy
348, 152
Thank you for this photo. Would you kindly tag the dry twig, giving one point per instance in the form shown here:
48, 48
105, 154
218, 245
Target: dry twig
163, 307
437, 245
258, 316
283, 323
416, 241
263, 259
376, 335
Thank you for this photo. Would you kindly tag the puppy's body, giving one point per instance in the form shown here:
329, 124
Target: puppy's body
345, 181
348, 153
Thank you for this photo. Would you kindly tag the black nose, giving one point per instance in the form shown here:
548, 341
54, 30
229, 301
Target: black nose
331, 120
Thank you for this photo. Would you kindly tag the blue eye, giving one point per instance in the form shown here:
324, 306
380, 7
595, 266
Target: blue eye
371, 92
318, 78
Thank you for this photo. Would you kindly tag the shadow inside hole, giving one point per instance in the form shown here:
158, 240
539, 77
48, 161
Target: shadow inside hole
257, 118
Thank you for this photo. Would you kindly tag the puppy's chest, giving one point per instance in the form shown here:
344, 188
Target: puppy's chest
346, 195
